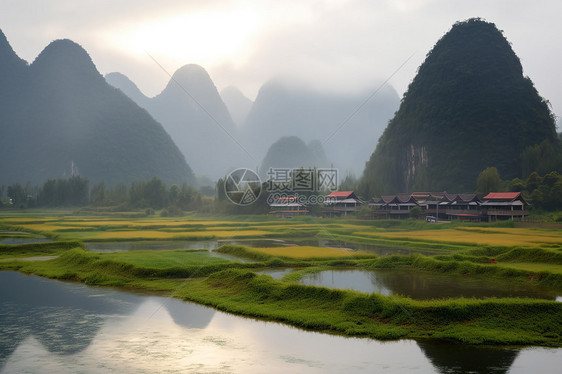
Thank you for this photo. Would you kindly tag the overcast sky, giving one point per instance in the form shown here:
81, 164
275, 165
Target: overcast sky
344, 45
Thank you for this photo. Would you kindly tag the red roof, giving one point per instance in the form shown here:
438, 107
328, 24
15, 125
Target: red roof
343, 194
502, 195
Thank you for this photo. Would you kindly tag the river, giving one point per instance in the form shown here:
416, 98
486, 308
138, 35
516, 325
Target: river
59, 327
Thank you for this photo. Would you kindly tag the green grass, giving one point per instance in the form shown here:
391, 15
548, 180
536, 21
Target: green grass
36, 249
162, 259
535, 267
490, 321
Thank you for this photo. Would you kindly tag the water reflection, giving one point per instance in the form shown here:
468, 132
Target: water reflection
275, 273
450, 358
18, 241
68, 328
65, 317
173, 244
420, 285
213, 244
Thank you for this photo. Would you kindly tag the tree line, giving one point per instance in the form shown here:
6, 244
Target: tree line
76, 191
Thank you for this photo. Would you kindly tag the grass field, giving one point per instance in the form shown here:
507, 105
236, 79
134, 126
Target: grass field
535, 267
164, 259
296, 252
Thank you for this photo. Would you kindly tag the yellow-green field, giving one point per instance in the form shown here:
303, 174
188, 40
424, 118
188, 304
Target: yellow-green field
188, 228
478, 236
96, 228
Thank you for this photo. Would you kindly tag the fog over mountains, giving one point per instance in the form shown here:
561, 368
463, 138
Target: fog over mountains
347, 126
238, 105
291, 152
58, 117
199, 121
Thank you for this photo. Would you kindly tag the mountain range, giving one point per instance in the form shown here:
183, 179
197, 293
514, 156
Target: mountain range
59, 117
193, 112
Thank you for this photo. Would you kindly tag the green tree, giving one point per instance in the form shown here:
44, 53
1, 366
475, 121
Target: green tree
517, 185
173, 194
488, 181
98, 194
542, 158
415, 212
17, 195
118, 194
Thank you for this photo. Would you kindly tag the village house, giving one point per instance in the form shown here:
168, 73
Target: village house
437, 206
394, 206
340, 203
504, 205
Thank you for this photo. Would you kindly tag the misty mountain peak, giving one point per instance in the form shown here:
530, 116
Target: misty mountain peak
469, 107
68, 58
8, 58
188, 82
191, 76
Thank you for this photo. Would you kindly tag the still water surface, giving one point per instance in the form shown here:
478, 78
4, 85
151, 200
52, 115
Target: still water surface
55, 327
174, 244
422, 285
18, 241
213, 244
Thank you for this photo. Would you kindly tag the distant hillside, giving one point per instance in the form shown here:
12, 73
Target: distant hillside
347, 130
193, 113
62, 118
469, 107
12, 71
238, 105
291, 152
129, 88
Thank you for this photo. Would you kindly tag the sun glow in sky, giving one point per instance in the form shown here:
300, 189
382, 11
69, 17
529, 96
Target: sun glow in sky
207, 37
